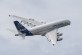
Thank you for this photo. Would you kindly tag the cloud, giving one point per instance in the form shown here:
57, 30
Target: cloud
41, 10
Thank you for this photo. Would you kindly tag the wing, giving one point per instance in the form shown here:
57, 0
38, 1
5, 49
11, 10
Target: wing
29, 22
52, 37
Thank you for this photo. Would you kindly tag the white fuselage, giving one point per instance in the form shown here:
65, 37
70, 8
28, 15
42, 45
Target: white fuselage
43, 29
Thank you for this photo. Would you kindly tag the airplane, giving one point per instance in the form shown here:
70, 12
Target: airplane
49, 30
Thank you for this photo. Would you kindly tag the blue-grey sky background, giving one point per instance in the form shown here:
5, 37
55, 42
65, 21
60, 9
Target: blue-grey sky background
41, 10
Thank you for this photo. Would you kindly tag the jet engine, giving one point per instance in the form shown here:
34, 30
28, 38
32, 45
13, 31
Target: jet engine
58, 36
59, 39
16, 34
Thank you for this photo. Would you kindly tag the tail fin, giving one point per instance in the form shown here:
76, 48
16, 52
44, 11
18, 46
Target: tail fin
22, 29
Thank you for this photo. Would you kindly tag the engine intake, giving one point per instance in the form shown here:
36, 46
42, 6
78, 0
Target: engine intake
59, 39
59, 34
16, 34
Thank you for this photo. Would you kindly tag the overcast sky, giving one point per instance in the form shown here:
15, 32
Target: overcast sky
41, 10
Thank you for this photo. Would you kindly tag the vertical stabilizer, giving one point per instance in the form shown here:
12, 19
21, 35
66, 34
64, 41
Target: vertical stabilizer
22, 29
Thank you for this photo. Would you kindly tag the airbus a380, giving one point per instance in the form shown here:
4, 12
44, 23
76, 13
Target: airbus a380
49, 30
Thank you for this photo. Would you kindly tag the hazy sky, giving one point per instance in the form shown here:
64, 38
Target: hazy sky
41, 10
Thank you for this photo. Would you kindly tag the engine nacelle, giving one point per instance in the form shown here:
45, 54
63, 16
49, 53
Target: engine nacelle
16, 34
59, 34
59, 39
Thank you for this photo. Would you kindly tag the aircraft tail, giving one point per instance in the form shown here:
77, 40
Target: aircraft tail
22, 29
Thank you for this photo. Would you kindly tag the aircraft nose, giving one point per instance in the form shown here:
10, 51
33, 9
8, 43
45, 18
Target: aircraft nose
69, 22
